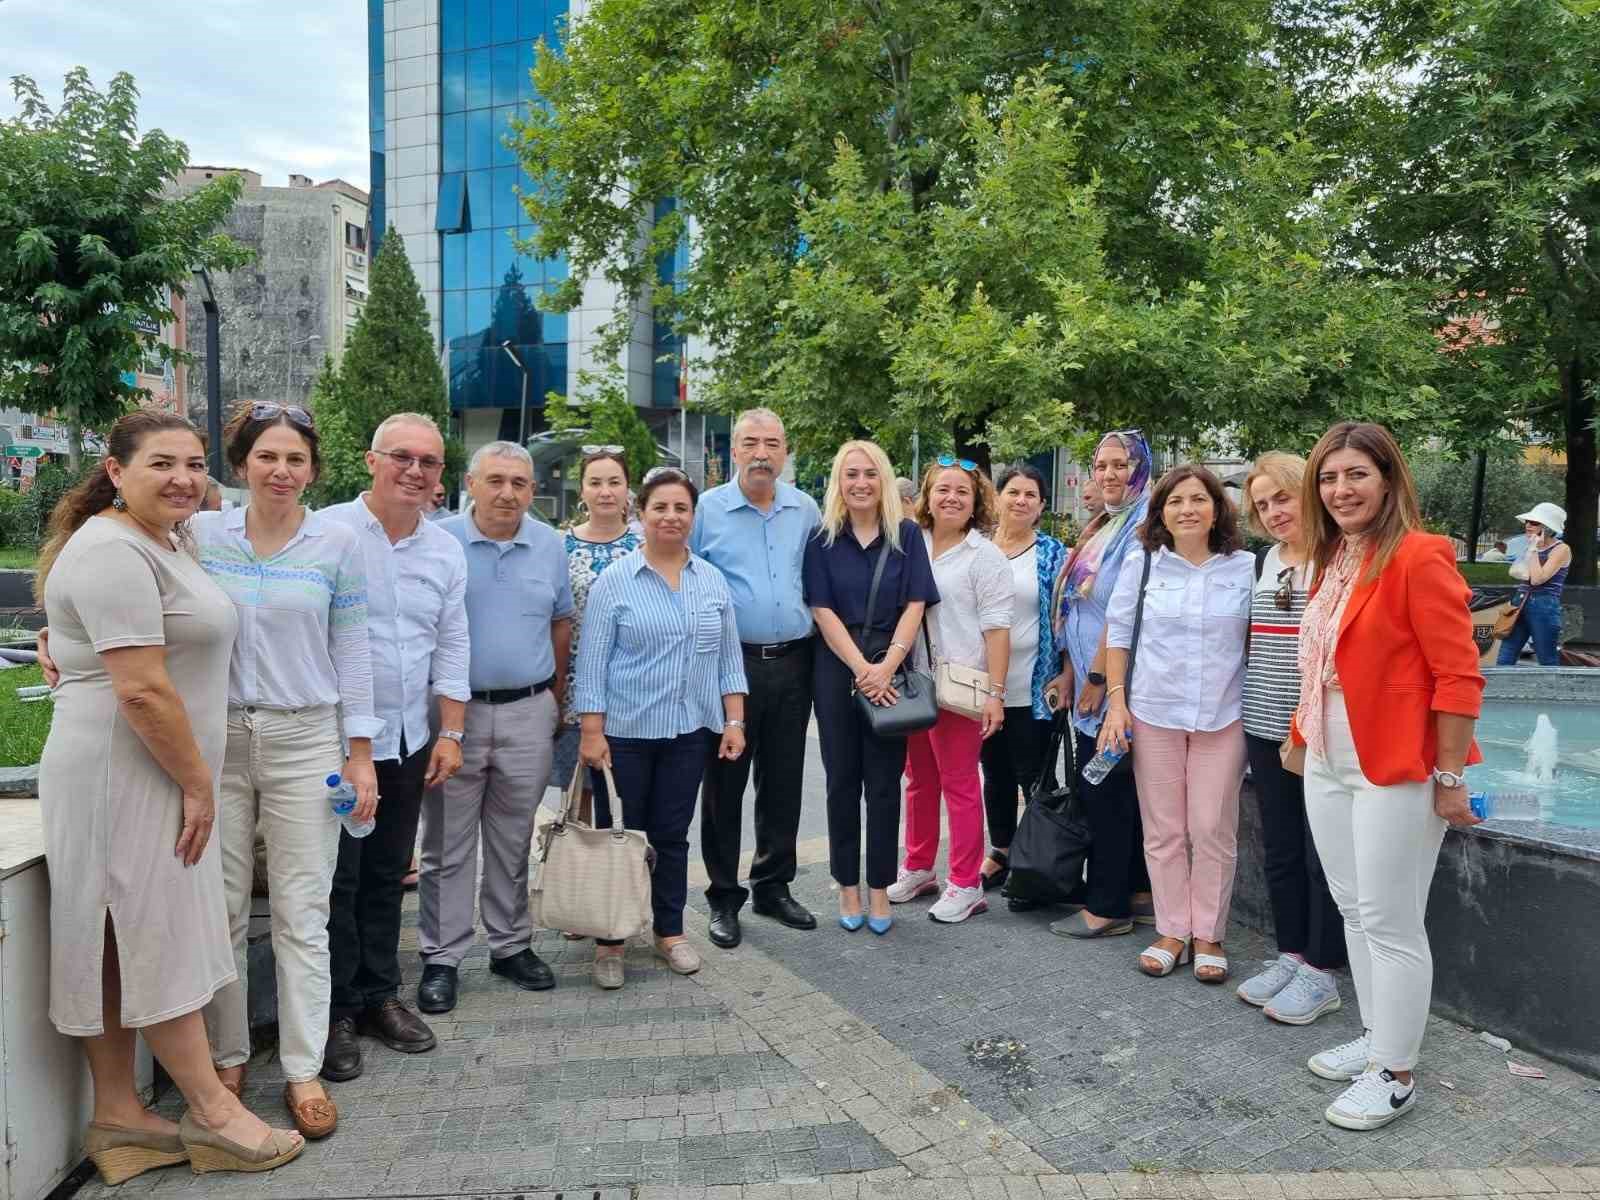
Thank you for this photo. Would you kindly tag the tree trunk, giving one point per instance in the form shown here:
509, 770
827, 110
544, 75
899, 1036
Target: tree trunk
968, 445
1583, 472
74, 448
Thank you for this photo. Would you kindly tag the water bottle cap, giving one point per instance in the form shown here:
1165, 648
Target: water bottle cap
333, 780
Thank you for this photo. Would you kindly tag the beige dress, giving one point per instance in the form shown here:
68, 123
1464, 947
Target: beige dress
112, 815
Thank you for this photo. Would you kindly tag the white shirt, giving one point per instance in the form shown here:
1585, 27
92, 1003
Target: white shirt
1188, 672
1024, 627
975, 596
416, 623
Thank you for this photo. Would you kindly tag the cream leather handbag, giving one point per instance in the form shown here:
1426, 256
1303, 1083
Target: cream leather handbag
961, 690
594, 882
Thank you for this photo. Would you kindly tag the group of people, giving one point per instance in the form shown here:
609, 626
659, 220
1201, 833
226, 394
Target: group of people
214, 672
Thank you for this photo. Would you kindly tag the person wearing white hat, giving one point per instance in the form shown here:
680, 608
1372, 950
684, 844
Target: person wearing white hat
1543, 572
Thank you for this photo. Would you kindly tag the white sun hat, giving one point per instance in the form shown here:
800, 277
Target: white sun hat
1551, 516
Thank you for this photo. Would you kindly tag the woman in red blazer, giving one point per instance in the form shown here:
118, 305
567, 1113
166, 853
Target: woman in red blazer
1389, 692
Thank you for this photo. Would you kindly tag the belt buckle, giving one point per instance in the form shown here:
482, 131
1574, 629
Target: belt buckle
770, 651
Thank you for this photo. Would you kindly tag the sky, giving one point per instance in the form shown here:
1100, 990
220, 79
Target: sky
277, 86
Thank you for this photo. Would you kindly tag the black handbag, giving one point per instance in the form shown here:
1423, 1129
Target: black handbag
918, 706
1050, 849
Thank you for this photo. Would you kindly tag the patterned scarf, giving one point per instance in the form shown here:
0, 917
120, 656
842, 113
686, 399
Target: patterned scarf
1319, 638
1115, 528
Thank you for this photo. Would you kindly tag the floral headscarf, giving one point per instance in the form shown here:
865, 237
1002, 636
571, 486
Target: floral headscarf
1116, 526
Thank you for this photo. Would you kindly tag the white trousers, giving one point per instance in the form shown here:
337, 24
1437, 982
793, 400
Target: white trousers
274, 778
1379, 846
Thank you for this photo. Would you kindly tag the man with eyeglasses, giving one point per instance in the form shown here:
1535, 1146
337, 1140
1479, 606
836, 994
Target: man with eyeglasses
519, 605
417, 627
754, 529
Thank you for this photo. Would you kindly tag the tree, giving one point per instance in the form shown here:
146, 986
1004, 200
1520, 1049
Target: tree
1483, 142
1511, 486
389, 366
92, 242
603, 414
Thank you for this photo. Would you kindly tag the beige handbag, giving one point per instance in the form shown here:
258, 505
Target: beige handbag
588, 881
958, 689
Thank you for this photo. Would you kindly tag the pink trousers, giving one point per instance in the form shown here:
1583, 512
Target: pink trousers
1189, 802
945, 759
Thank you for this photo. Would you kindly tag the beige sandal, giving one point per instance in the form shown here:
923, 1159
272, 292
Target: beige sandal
120, 1153
210, 1151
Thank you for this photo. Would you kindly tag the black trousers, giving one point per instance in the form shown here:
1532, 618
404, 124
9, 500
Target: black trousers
777, 710
1012, 760
857, 765
658, 779
364, 903
1116, 859
1303, 912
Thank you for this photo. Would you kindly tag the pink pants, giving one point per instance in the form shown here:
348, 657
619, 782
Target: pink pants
945, 759
1189, 801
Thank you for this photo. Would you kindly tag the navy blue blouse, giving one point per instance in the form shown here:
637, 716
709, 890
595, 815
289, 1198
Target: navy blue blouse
839, 576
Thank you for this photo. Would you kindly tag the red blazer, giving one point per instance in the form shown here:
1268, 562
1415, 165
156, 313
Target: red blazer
1405, 652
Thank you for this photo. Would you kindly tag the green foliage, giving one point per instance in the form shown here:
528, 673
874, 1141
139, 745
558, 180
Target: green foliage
90, 238
23, 727
25, 516
604, 416
1511, 486
389, 366
15, 527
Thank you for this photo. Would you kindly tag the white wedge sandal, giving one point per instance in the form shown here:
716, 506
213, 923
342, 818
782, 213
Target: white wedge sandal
1216, 962
1167, 960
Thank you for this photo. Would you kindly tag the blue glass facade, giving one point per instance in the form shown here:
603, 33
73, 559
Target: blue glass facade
375, 119
488, 290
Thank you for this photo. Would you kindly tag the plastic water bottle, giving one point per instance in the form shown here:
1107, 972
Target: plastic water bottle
1101, 764
1504, 806
342, 796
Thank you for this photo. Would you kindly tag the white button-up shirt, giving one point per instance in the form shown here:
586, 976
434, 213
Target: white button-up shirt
1188, 672
975, 596
416, 623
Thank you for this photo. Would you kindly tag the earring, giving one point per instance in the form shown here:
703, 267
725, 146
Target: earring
118, 503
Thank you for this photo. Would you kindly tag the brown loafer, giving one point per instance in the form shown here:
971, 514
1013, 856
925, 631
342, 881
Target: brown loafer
315, 1118
235, 1086
681, 957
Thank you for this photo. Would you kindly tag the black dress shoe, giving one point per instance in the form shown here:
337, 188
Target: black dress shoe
725, 932
437, 991
525, 969
787, 910
397, 1027
341, 1057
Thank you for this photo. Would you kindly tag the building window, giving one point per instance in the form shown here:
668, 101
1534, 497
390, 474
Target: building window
452, 215
355, 236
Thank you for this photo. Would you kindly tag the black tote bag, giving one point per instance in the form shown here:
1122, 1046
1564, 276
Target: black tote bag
1051, 846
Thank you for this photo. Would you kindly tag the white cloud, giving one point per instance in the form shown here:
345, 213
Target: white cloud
277, 87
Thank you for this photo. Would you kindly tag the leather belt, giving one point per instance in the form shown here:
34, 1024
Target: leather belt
512, 695
774, 649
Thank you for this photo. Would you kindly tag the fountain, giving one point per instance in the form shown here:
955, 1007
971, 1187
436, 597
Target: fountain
1543, 748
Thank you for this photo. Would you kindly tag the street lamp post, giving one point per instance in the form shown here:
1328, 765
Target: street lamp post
288, 366
208, 302
522, 416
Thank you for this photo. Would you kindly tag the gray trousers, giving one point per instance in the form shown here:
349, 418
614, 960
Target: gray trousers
505, 765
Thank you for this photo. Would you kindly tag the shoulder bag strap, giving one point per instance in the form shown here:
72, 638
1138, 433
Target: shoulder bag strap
872, 593
1138, 621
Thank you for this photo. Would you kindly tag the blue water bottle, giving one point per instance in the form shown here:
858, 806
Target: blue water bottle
1504, 806
342, 796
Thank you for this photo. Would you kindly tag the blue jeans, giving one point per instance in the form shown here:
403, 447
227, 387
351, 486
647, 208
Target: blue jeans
1540, 620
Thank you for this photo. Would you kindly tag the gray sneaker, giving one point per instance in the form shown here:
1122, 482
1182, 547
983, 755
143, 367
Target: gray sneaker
1310, 994
1258, 989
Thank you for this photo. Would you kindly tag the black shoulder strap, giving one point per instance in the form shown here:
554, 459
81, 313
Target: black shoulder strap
1261, 560
872, 592
1138, 621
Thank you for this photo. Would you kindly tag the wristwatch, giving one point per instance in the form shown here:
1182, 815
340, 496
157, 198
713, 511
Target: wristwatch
1449, 779
1096, 679
454, 735
733, 724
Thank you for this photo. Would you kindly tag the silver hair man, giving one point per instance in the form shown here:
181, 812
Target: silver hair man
499, 450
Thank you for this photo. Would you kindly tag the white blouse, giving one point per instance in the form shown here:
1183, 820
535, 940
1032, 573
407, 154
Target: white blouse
975, 596
1024, 627
1188, 671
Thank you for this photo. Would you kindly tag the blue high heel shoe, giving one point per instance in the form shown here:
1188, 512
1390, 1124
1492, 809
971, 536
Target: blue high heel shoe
880, 925
851, 924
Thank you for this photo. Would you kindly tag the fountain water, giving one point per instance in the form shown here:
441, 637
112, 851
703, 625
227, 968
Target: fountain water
1543, 748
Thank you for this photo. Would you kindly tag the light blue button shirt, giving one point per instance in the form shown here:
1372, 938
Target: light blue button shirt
658, 664
514, 590
761, 555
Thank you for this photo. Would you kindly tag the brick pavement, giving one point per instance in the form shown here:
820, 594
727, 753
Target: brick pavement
989, 1061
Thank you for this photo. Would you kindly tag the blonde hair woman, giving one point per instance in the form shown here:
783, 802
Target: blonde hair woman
862, 521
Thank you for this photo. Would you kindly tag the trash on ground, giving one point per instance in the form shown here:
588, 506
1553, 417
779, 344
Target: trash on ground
1523, 1072
1499, 1043
1445, 1083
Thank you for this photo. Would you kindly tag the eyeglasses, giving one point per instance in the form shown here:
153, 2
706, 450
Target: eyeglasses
405, 461
1283, 598
602, 449
267, 410
655, 473
950, 460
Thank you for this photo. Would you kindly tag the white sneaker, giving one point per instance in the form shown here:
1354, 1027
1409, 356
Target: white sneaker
1372, 1101
1348, 1061
911, 884
1310, 994
957, 904
1258, 989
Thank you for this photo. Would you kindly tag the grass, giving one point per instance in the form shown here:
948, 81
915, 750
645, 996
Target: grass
1487, 574
22, 726
17, 558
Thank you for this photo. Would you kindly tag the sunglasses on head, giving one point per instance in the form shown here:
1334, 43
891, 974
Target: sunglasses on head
655, 473
591, 450
950, 460
267, 410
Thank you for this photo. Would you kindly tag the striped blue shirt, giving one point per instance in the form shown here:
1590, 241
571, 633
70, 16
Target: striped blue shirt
655, 663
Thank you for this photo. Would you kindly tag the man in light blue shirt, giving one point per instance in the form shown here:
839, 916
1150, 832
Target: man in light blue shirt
755, 530
519, 606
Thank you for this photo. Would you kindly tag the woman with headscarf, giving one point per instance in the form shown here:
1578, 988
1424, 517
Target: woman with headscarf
1119, 883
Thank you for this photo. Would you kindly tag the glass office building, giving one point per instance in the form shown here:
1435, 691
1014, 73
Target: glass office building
446, 79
